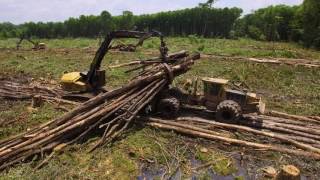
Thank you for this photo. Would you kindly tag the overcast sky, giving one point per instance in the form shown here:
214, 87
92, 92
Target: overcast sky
19, 11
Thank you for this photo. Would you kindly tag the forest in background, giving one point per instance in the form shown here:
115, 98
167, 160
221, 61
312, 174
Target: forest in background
274, 23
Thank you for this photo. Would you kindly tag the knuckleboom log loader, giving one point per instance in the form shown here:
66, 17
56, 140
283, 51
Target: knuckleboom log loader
94, 79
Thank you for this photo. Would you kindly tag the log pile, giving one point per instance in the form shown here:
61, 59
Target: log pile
284, 133
18, 91
109, 115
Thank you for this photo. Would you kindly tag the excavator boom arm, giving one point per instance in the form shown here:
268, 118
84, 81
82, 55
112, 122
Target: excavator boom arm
105, 46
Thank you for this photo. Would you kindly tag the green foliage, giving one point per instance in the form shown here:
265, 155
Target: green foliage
285, 23
194, 39
311, 23
17, 117
208, 4
271, 23
220, 163
274, 23
255, 33
218, 22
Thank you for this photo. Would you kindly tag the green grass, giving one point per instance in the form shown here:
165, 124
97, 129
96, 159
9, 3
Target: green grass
22, 117
219, 163
284, 88
292, 89
148, 147
244, 47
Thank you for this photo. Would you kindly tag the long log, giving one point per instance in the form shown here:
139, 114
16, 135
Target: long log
309, 141
310, 130
279, 129
278, 61
171, 57
290, 116
278, 120
186, 130
315, 117
254, 131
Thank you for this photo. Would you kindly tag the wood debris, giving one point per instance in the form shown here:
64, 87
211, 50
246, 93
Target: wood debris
109, 114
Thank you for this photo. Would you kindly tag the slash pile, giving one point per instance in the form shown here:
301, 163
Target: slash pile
108, 114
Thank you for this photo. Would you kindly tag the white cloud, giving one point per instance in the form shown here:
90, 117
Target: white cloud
19, 11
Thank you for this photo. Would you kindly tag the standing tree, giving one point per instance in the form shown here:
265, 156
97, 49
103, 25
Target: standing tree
205, 7
106, 23
126, 21
208, 4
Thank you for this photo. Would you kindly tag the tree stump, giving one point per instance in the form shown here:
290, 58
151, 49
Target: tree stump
37, 101
289, 172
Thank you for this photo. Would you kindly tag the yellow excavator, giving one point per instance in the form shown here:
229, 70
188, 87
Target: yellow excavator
94, 79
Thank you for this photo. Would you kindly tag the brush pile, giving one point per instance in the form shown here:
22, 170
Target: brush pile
108, 114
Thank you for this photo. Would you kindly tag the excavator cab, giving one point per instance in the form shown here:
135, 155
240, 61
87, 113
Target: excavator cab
76, 81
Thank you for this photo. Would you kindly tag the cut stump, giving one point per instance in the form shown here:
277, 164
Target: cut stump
37, 101
289, 172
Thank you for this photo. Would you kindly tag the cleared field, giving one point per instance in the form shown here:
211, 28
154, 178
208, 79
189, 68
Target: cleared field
285, 88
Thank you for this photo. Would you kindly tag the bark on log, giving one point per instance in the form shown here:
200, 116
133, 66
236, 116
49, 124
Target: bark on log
290, 116
280, 129
279, 120
254, 131
315, 117
171, 57
233, 141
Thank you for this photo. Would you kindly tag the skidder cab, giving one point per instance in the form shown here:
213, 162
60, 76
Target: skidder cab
229, 104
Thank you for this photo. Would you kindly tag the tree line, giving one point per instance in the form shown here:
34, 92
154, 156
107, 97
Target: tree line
283, 23
204, 21
274, 23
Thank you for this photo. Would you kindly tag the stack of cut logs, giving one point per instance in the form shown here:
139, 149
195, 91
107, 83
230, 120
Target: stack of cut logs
108, 114
19, 91
303, 133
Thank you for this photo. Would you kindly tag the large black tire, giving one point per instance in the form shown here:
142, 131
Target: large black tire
228, 111
169, 106
183, 97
